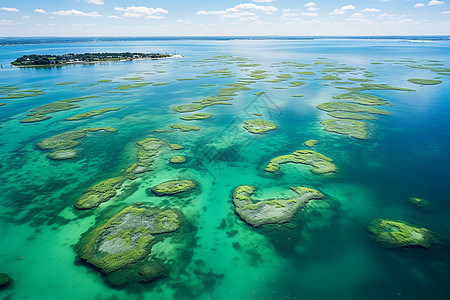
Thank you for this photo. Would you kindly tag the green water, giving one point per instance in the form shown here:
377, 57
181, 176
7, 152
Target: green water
324, 253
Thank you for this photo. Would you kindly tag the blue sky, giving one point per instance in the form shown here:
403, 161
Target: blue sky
207, 17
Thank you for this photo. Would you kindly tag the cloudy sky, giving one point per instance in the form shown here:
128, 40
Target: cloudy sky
209, 17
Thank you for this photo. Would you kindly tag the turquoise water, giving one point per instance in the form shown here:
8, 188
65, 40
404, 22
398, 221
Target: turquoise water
326, 255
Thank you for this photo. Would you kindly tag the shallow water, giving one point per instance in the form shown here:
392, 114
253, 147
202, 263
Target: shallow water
326, 255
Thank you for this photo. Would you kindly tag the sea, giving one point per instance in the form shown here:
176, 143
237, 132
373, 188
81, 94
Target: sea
325, 252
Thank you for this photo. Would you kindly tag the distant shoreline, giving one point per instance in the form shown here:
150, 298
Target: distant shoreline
51, 61
10, 41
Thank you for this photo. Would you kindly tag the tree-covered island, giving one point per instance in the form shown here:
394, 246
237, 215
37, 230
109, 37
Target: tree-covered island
71, 58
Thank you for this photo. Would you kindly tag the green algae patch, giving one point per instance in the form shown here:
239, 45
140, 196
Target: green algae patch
175, 147
296, 83
39, 113
421, 203
66, 83
270, 211
185, 128
424, 81
177, 159
185, 79
257, 126
361, 98
331, 77
197, 116
161, 83
259, 93
311, 143
67, 140
134, 78
374, 86
172, 187
63, 154
103, 191
351, 116
196, 106
23, 94
400, 234
5, 280
122, 244
207, 85
104, 81
91, 114
320, 164
1, 104
99, 193
298, 96
353, 128
284, 76
257, 114
359, 79
349, 107
132, 86
35, 118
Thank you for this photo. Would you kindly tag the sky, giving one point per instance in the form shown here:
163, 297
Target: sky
26, 18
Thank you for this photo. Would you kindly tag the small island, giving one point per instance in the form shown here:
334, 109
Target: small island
85, 58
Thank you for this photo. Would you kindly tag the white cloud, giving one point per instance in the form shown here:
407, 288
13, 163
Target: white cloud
99, 2
371, 10
385, 15
435, 2
78, 13
309, 14
289, 15
356, 18
6, 22
342, 10
142, 11
337, 11
419, 5
41, 11
347, 7
10, 9
244, 11
114, 17
312, 8
445, 12
309, 4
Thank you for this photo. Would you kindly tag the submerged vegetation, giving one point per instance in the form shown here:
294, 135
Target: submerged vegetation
91, 114
270, 211
121, 246
259, 126
400, 234
320, 164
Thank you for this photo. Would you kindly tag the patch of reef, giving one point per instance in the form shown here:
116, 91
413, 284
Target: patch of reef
148, 150
258, 126
320, 164
40, 113
62, 144
401, 234
121, 247
270, 211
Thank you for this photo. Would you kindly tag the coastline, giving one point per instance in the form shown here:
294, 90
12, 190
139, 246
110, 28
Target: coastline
91, 62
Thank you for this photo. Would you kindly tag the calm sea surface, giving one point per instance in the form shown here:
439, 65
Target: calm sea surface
325, 254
